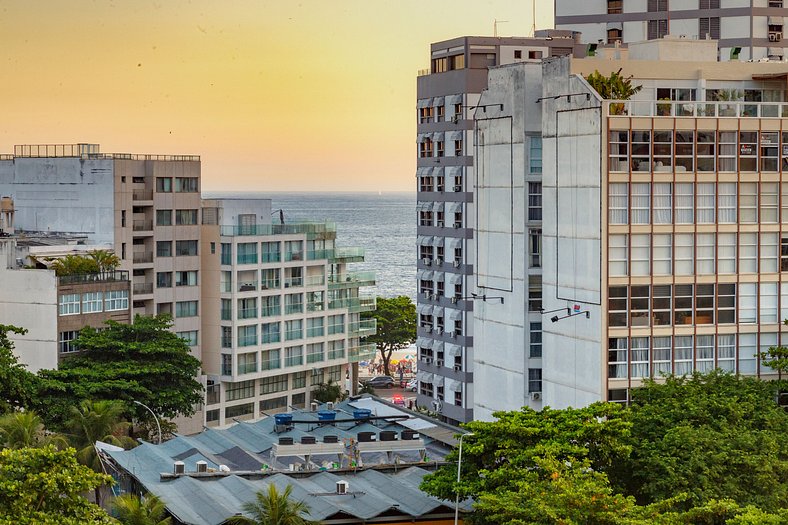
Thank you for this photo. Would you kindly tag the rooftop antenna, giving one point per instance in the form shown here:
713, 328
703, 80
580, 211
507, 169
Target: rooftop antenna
495, 26
533, 18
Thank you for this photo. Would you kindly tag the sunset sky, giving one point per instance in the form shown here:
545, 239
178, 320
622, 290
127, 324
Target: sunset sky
311, 95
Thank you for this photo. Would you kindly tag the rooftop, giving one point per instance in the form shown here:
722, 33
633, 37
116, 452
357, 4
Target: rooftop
85, 151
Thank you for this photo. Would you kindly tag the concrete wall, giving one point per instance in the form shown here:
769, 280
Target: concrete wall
573, 359
61, 194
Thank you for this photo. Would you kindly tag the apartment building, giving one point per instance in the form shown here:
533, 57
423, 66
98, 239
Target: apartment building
745, 29
281, 311
447, 99
145, 207
680, 266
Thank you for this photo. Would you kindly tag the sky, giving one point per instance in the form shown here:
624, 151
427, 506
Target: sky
287, 95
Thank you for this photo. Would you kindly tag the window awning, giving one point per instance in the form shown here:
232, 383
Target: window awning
438, 136
454, 278
437, 346
437, 380
454, 135
453, 350
422, 137
424, 103
615, 25
439, 241
454, 99
423, 172
775, 52
453, 207
423, 342
437, 206
454, 386
454, 315
424, 206
425, 240
424, 377
454, 171
438, 276
437, 101
425, 309
437, 171
438, 311
425, 275
453, 243
775, 20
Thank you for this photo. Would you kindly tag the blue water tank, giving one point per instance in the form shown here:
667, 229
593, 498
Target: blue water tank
283, 419
362, 413
326, 415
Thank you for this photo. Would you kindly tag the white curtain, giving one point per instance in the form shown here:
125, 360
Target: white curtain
639, 357
641, 258
618, 203
618, 255
684, 264
640, 203
770, 248
663, 203
727, 202
684, 203
705, 253
768, 302
705, 203
662, 254
726, 253
748, 297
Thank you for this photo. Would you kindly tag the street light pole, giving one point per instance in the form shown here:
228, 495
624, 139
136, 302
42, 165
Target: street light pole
159, 426
457, 489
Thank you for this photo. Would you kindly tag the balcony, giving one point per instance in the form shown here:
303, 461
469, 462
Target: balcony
142, 195
269, 284
348, 255
101, 277
294, 256
315, 280
363, 352
312, 229
349, 280
292, 282
272, 257
354, 304
142, 257
247, 286
247, 313
314, 255
142, 226
363, 328
143, 288
688, 108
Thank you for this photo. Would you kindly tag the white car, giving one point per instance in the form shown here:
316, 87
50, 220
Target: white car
413, 385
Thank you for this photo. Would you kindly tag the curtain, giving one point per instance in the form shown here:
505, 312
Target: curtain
640, 203
618, 203
663, 205
705, 203
727, 202
684, 203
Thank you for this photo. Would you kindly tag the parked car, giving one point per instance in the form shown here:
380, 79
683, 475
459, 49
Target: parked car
381, 382
412, 385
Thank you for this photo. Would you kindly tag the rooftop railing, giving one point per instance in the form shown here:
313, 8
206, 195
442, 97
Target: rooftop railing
89, 151
101, 277
721, 109
279, 229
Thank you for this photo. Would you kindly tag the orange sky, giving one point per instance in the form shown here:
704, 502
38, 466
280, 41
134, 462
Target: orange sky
310, 95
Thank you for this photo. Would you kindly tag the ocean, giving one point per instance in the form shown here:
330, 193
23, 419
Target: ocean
383, 224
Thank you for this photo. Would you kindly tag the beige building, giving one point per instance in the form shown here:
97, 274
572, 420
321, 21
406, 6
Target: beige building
281, 311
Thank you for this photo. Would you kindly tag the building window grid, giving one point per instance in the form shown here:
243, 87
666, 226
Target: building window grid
92, 302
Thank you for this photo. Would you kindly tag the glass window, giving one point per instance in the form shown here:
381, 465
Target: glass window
270, 359
768, 302
294, 303
726, 352
185, 248
661, 355
247, 252
748, 151
619, 151
747, 353
66, 341
704, 304
639, 306
748, 202
663, 203
726, 159
685, 206
535, 157
92, 302
116, 300
704, 353
294, 356
640, 358
270, 333
271, 385
663, 151
617, 253
185, 217
535, 341
269, 279
705, 213
769, 252
682, 301
769, 202
185, 309
617, 358
247, 335
163, 248
748, 252
186, 278
705, 150
190, 336
726, 253
661, 311
270, 306
617, 306
315, 353
186, 185
163, 279
164, 184
641, 258
705, 254
534, 201
239, 390
314, 327
336, 349
726, 212
163, 217
726, 303
336, 324
618, 203
247, 363
748, 299
662, 254
641, 203
534, 380
685, 151
294, 330
770, 150
641, 150
683, 354
684, 251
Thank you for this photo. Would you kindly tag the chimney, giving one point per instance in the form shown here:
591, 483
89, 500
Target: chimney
178, 467
202, 466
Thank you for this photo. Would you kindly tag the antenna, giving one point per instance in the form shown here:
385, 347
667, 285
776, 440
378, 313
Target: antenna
495, 26
533, 15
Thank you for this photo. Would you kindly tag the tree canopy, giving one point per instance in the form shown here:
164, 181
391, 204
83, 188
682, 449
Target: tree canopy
43, 486
143, 361
613, 87
272, 507
396, 326
17, 385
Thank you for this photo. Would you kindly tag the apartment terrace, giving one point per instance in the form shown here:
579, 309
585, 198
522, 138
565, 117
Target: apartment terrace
86, 151
717, 109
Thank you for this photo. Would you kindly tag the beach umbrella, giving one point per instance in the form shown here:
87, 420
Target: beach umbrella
394, 362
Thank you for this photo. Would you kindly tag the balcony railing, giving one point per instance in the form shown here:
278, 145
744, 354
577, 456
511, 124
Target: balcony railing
280, 229
118, 275
247, 286
315, 280
294, 256
269, 284
354, 304
142, 195
270, 257
718, 109
143, 288
363, 328
142, 226
143, 257
247, 313
348, 254
352, 279
361, 352
291, 282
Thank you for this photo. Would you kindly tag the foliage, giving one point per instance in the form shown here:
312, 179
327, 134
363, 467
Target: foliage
43, 486
711, 436
143, 361
273, 508
97, 421
776, 358
366, 388
130, 509
396, 326
97, 261
614, 87
26, 429
326, 392
17, 385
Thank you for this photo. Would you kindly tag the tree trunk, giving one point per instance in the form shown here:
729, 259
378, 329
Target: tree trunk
386, 355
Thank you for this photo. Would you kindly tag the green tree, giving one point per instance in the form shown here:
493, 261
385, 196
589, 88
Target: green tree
326, 392
143, 361
776, 358
273, 508
43, 486
17, 385
396, 326
26, 429
711, 436
73, 264
613, 87
105, 260
130, 509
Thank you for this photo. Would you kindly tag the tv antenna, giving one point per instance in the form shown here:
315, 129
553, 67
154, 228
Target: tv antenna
495, 26
533, 18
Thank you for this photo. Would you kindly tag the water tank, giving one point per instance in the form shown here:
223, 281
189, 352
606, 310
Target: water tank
362, 413
326, 415
283, 419
202, 466
367, 437
409, 435
330, 439
285, 441
178, 467
388, 435
308, 440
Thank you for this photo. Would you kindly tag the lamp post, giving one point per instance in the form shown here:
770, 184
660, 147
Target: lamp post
157, 419
459, 465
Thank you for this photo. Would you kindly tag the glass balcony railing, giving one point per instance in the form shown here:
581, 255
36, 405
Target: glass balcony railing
347, 255
294, 308
247, 258
268, 311
294, 256
227, 314
313, 228
315, 358
351, 280
270, 257
269, 284
247, 340
361, 352
291, 282
336, 353
363, 328
247, 313
315, 280
315, 307
689, 108
271, 338
295, 360
292, 335
315, 332
354, 304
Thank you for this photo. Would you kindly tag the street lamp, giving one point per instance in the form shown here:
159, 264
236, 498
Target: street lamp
459, 464
159, 426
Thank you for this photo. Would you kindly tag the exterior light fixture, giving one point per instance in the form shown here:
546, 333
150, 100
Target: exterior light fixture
555, 318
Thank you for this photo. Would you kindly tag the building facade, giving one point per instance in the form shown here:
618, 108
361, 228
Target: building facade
282, 311
745, 29
447, 99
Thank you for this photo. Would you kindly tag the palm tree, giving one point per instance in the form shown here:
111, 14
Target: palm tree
273, 508
95, 421
135, 510
26, 429
105, 260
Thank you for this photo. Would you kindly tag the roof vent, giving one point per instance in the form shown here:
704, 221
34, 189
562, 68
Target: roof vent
224, 468
178, 467
330, 405
342, 487
202, 466
313, 406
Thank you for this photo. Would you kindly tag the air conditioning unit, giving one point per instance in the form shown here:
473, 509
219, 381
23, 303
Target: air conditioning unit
437, 405
427, 261
342, 487
458, 188
428, 329
457, 225
426, 295
313, 407
775, 37
427, 360
438, 262
456, 264
330, 405
536, 396
454, 300
453, 335
439, 331
458, 368
432, 297
439, 362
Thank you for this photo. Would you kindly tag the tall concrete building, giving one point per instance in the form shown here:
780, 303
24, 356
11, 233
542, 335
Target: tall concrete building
745, 29
281, 311
663, 245
447, 99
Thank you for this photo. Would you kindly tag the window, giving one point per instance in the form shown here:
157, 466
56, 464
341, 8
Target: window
163, 217
270, 252
270, 333
294, 330
294, 356
784, 254
534, 201
336, 324
271, 385
641, 257
534, 380
247, 253
185, 248
163, 279
535, 350
770, 151
726, 212
66, 341
247, 335
684, 254
661, 355
768, 302
639, 360
315, 353
273, 404
227, 364
726, 155
617, 358
247, 363
705, 213
163, 248
270, 360
748, 298
641, 203
663, 203
641, 150
240, 390
663, 151
617, 306
116, 300
684, 148
682, 304
336, 349
185, 217
425, 148
705, 254
164, 184
185, 309
657, 5
425, 115
458, 148
190, 336
747, 351
618, 203
769, 205
440, 148
456, 62
657, 28
726, 352
294, 303
247, 308
535, 155
534, 293
705, 150
748, 150
748, 252
661, 311
683, 354
270, 306
619, 151
269, 279
314, 327
726, 253
639, 306
617, 253
662, 254
186, 278
709, 26
91, 302
712, 4
726, 303
614, 34
239, 410
704, 353
704, 304
186, 185
769, 252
